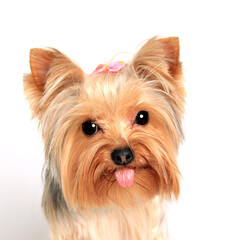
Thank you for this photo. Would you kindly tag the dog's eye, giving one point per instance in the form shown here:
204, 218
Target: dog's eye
142, 118
90, 128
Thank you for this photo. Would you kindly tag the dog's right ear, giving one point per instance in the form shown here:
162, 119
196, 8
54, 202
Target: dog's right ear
158, 58
51, 72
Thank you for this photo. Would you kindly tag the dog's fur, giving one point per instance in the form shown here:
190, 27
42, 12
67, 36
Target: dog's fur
82, 199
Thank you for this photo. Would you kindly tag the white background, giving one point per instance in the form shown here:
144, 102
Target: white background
92, 32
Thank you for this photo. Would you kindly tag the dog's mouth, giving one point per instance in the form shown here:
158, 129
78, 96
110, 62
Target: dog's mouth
125, 176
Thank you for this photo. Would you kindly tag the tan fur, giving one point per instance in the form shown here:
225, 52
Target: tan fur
82, 199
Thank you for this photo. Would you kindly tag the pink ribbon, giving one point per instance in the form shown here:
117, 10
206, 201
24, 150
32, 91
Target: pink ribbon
112, 67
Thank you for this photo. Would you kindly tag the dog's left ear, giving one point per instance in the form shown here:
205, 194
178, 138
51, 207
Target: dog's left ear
51, 73
159, 59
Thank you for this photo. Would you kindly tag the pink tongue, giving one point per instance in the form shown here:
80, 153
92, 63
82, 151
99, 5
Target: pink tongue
125, 177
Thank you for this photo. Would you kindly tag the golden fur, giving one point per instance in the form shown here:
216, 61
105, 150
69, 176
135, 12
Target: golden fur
82, 199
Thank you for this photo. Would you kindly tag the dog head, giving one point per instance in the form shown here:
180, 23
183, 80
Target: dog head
110, 137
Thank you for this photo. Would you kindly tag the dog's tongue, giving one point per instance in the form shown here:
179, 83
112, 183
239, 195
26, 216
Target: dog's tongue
125, 177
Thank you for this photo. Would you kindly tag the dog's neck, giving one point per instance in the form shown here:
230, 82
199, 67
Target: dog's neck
145, 221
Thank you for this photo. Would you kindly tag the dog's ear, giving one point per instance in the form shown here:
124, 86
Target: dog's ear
159, 59
51, 72
40, 61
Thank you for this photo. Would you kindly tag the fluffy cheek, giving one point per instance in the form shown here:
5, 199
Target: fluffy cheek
81, 167
156, 157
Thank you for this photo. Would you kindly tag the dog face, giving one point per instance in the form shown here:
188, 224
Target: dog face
110, 138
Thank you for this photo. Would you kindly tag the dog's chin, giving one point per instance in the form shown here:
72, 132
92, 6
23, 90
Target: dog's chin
126, 185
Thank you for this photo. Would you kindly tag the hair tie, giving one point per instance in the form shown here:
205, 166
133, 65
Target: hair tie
111, 68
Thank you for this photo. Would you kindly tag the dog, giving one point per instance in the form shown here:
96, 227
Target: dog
111, 141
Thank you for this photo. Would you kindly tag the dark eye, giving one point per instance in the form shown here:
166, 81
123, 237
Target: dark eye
90, 128
142, 118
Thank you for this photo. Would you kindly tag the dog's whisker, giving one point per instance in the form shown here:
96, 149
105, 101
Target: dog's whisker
105, 177
142, 186
112, 182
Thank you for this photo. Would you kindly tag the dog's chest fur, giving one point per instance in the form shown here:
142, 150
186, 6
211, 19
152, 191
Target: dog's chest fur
143, 222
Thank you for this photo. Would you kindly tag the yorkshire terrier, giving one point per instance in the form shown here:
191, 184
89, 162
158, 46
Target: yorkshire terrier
111, 141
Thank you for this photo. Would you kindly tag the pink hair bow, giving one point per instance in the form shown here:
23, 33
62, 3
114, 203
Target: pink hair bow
112, 67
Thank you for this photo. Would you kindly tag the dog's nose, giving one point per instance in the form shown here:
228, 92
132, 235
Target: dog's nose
122, 156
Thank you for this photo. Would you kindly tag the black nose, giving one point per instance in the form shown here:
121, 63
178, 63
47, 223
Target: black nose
122, 156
